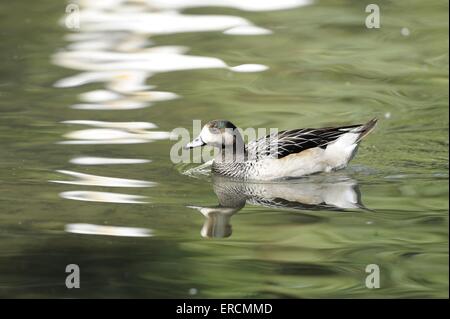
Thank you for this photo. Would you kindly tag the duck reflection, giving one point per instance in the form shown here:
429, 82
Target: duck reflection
309, 193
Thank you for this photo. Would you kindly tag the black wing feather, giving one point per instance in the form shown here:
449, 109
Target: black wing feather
295, 141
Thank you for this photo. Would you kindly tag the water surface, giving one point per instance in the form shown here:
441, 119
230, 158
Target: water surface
86, 176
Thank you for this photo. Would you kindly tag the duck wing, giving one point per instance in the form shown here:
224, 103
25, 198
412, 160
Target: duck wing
284, 143
281, 203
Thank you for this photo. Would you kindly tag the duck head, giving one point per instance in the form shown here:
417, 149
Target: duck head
221, 134
217, 220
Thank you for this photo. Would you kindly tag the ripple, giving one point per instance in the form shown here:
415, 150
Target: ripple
109, 100
124, 81
163, 22
248, 5
155, 96
91, 196
106, 161
124, 125
105, 142
91, 229
99, 96
95, 180
123, 104
152, 62
100, 134
114, 46
112, 136
247, 30
244, 68
98, 41
114, 133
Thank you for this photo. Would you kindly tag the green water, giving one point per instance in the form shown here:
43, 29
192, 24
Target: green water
325, 68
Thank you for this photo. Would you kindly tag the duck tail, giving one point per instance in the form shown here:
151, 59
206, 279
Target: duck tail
365, 129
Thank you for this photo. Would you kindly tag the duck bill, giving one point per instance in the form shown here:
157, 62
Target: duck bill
195, 143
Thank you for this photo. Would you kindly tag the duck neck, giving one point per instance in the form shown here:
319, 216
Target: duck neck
234, 152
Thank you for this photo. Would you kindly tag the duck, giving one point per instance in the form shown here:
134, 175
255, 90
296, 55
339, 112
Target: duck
281, 155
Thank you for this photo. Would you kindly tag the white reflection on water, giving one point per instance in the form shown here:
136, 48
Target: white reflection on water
95, 180
121, 125
90, 196
114, 133
99, 96
109, 100
123, 104
248, 68
91, 229
125, 81
114, 46
86, 160
113, 136
104, 142
156, 23
152, 62
247, 30
248, 5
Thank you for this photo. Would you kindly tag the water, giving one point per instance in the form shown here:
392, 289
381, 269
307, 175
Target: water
86, 176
